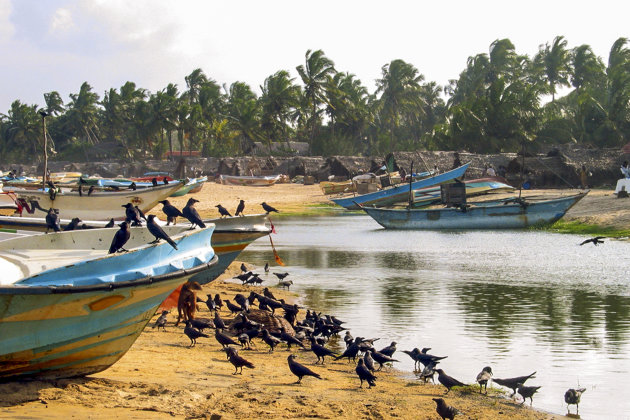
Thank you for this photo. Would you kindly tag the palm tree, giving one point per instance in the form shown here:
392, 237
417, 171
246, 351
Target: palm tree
588, 69
244, 114
399, 88
554, 62
54, 103
278, 99
314, 76
23, 131
82, 114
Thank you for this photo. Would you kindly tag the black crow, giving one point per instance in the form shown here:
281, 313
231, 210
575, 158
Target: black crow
223, 339
300, 370
268, 208
90, 190
381, 358
161, 321
171, 212
320, 351
237, 360
158, 232
74, 223
140, 213
131, 215
369, 362
572, 396
110, 224
483, 377
240, 208
121, 237
512, 383
232, 307
527, 392
281, 276
445, 411
223, 211
218, 322
266, 268
290, 339
243, 267
200, 324
270, 340
193, 334
365, 374
190, 213
389, 350
596, 240
448, 381
267, 293
286, 283
52, 221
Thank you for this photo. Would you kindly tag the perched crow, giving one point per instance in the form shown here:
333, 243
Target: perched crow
121, 237
527, 392
268, 208
52, 221
445, 411
193, 334
483, 377
110, 224
74, 223
300, 370
170, 211
190, 213
237, 360
240, 208
158, 232
596, 240
447, 381
131, 215
572, 396
223, 211
365, 374
140, 212
512, 383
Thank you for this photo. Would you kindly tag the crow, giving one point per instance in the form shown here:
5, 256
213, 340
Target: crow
158, 232
527, 392
161, 321
52, 221
512, 383
90, 190
281, 276
223, 339
190, 213
200, 324
596, 240
131, 215
140, 213
320, 351
267, 293
110, 224
289, 339
380, 358
237, 360
572, 396
232, 307
270, 340
448, 381
240, 208
286, 283
74, 223
445, 411
218, 322
369, 362
389, 350
365, 374
268, 208
121, 237
171, 212
243, 268
483, 377
223, 211
300, 370
193, 334
266, 268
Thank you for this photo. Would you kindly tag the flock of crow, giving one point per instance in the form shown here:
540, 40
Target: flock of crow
313, 332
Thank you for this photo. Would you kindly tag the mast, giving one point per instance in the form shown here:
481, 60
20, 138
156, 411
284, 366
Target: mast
410, 190
44, 114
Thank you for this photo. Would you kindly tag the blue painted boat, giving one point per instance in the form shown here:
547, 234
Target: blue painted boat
192, 184
497, 214
67, 308
431, 195
398, 193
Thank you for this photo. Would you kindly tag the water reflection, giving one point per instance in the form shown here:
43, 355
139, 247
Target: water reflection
519, 301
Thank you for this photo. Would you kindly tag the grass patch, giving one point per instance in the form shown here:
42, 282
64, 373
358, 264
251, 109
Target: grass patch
576, 227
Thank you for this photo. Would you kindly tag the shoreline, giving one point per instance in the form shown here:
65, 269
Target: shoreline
161, 377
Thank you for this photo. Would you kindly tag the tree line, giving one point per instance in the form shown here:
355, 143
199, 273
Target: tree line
501, 101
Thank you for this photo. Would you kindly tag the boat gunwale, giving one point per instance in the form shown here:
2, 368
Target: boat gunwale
43, 290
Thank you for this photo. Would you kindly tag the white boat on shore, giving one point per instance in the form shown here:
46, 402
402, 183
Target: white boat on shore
250, 181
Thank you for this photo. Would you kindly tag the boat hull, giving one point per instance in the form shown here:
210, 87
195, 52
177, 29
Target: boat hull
57, 332
99, 205
501, 216
194, 185
398, 193
249, 181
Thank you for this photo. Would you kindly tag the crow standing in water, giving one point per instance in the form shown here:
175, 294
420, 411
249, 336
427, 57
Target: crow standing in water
171, 212
512, 383
190, 213
223, 211
240, 208
52, 221
572, 396
120, 238
527, 392
268, 208
158, 232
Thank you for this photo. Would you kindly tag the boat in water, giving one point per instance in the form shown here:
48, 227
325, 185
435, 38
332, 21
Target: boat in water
431, 195
100, 205
68, 308
249, 181
398, 193
514, 213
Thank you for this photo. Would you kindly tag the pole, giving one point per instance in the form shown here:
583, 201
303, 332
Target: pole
44, 178
410, 182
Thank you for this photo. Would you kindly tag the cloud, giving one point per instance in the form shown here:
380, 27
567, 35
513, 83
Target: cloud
6, 27
61, 21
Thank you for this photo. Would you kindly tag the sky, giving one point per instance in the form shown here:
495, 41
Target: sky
59, 44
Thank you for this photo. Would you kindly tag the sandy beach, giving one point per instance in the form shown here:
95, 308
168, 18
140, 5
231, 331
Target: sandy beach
162, 377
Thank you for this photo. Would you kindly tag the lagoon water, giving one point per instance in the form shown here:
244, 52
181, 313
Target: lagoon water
516, 301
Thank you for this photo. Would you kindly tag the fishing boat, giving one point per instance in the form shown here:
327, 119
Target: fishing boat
68, 308
398, 193
100, 205
329, 187
250, 181
192, 185
231, 235
514, 213
430, 195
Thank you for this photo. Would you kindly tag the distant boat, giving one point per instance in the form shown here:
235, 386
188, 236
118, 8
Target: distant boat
192, 185
329, 187
430, 195
250, 181
496, 214
100, 205
68, 308
399, 193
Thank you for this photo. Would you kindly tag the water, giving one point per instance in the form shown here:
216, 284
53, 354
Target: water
517, 301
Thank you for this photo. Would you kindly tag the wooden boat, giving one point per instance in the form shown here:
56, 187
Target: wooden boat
431, 195
192, 185
398, 193
250, 181
70, 309
329, 187
231, 235
100, 205
496, 214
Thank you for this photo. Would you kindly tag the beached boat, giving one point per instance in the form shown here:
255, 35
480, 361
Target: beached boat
430, 195
100, 205
231, 235
250, 181
329, 187
192, 185
496, 214
399, 193
68, 308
